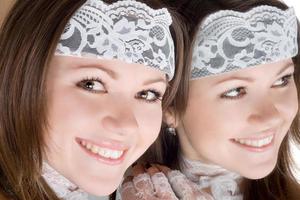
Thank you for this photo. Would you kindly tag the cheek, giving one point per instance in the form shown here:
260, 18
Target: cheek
198, 129
150, 119
289, 105
197, 115
149, 122
294, 105
69, 111
62, 113
209, 119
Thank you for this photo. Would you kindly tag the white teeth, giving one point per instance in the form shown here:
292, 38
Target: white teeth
94, 149
107, 153
88, 146
255, 143
83, 143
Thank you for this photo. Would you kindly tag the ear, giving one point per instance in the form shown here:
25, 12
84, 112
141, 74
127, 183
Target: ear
170, 117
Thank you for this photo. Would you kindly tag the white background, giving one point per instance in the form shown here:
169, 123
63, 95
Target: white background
295, 4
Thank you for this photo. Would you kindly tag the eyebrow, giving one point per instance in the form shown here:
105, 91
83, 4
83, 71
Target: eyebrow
286, 66
234, 78
115, 76
111, 73
157, 80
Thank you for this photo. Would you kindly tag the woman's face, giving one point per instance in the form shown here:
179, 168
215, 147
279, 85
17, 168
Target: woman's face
238, 120
103, 115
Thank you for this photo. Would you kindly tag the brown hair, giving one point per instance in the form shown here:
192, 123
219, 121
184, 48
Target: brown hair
28, 39
281, 183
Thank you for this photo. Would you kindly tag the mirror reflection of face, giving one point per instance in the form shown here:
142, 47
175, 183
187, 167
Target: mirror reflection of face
103, 115
239, 119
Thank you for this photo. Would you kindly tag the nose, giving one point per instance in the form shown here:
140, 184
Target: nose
120, 118
265, 114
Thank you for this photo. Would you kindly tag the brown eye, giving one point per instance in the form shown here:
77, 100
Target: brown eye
284, 81
234, 93
92, 85
149, 95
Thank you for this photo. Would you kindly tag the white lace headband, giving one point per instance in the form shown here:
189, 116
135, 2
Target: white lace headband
229, 40
127, 30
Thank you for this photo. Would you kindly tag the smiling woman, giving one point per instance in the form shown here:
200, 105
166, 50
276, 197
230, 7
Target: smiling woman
262, 107
83, 87
113, 115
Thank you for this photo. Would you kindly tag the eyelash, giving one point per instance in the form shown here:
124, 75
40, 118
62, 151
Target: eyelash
286, 80
157, 94
238, 89
82, 83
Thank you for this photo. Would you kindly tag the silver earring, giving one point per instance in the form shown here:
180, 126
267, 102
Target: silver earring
171, 130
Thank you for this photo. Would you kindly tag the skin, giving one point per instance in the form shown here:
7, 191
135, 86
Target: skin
245, 104
114, 110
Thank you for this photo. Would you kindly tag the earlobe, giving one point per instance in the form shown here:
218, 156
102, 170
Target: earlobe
170, 117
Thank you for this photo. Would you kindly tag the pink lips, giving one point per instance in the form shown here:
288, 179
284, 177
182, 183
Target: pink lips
254, 148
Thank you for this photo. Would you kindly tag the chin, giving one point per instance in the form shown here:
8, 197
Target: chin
256, 176
102, 188
258, 172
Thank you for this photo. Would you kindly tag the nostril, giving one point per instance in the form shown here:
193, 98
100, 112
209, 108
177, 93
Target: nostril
267, 115
120, 125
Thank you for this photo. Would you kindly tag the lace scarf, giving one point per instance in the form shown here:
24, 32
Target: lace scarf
63, 188
223, 184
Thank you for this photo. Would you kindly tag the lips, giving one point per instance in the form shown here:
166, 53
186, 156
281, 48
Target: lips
107, 152
101, 151
262, 143
255, 142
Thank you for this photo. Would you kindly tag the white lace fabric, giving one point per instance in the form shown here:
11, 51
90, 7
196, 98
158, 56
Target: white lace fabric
185, 189
146, 187
223, 184
228, 40
126, 30
63, 188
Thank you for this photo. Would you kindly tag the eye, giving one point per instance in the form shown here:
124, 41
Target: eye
234, 93
94, 85
149, 95
282, 82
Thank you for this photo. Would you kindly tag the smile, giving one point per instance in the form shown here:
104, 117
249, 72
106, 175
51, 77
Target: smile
110, 154
256, 142
107, 153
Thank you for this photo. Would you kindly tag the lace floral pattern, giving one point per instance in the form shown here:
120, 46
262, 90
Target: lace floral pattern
185, 189
229, 40
223, 184
146, 187
126, 30
63, 188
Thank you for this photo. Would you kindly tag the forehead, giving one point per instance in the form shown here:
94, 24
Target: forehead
113, 67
